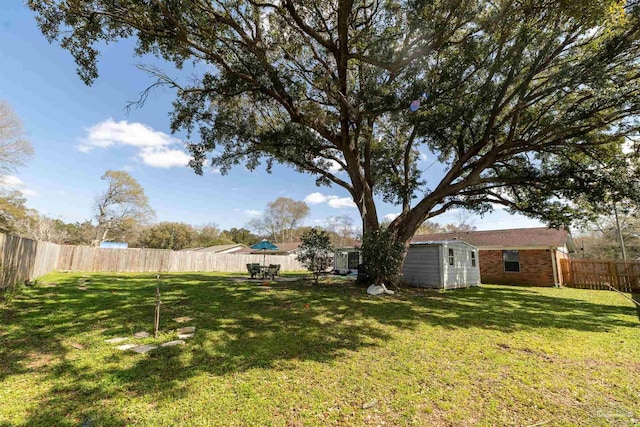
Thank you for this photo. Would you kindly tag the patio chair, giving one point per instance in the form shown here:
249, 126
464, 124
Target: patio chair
273, 270
254, 270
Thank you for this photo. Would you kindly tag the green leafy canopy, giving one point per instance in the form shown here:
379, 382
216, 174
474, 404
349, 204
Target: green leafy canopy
527, 104
315, 251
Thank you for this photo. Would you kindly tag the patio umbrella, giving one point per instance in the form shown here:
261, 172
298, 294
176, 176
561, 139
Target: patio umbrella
264, 246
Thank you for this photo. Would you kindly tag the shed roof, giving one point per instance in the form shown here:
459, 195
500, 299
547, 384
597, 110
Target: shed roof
512, 238
441, 242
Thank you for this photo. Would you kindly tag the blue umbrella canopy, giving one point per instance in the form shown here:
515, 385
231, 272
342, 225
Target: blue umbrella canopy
265, 245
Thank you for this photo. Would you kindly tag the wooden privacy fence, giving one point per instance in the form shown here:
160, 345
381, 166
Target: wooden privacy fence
595, 274
25, 259
90, 259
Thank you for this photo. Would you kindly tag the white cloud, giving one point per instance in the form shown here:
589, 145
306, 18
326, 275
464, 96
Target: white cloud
315, 198
423, 156
252, 212
164, 158
11, 181
390, 217
84, 148
341, 202
629, 145
333, 201
155, 149
334, 166
29, 192
14, 183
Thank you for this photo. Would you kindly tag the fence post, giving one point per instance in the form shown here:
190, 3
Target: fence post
613, 271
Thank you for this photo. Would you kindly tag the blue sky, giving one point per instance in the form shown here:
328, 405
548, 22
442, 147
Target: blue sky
78, 132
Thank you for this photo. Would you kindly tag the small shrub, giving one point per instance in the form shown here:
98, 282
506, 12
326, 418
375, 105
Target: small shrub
315, 252
382, 256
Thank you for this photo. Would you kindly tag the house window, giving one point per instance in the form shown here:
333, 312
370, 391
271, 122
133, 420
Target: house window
473, 259
511, 261
451, 260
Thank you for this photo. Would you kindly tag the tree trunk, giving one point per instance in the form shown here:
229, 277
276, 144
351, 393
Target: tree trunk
404, 227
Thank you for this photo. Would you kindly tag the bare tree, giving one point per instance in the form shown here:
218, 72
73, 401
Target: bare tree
280, 218
122, 206
464, 222
14, 149
343, 227
430, 227
43, 228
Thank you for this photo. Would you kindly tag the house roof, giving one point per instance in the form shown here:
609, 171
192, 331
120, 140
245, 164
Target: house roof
218, 248
541, 237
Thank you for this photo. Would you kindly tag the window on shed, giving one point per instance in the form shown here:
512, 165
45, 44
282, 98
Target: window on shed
511, 261
451, 260
473, 259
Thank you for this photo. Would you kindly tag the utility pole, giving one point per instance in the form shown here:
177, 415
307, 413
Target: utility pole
624, 251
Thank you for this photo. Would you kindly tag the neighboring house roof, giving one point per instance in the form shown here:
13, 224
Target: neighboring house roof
541, 237
236, 247
283, 248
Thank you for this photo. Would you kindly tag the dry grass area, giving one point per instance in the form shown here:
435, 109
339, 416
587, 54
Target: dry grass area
295, 354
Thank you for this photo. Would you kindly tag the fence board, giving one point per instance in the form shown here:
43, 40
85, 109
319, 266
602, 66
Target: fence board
598, 274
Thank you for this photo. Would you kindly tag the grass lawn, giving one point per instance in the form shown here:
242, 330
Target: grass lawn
300, 355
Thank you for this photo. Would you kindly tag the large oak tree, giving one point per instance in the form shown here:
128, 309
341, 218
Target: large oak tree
527, 103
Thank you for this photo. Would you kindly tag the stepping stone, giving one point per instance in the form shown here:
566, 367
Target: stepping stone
141, 334
182, 319
116, 340
172, 343
185, 336
126, 346
187, 330
77, 346
82, 288
144, 348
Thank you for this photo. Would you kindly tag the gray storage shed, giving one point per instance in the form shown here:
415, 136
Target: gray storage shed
445, 265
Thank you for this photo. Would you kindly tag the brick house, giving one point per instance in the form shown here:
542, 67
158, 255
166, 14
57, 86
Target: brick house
521, 256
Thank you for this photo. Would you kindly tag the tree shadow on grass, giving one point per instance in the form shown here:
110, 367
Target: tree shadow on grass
241, 326
520, 308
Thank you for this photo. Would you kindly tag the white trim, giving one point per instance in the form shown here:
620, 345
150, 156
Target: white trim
554, 266
444, 266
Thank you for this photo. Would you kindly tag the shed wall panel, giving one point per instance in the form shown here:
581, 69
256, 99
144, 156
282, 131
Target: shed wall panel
422, 267
461, 274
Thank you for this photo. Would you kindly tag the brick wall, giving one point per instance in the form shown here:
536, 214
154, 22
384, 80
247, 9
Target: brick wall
536, 268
